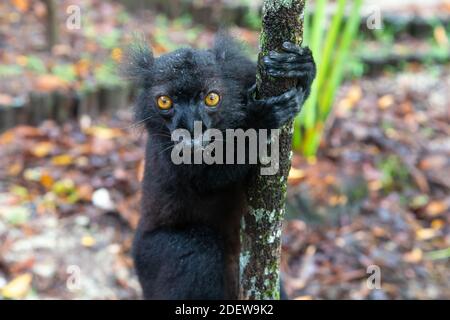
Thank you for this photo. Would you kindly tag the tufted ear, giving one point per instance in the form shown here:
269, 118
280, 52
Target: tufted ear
138, 62
226, 48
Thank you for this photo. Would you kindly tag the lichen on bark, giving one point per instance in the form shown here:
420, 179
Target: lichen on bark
261, 226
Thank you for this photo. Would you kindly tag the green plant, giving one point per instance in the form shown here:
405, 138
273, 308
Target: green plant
65, 72
107, 75
7, 70
252, 19
394, 174
331, 48
36, 64
110, 40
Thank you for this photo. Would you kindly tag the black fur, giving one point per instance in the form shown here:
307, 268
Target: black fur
187, 243
185, 262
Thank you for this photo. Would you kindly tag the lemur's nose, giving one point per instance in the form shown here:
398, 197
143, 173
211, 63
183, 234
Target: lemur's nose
189, 118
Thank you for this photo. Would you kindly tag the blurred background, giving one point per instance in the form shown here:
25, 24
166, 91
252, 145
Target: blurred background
369, 186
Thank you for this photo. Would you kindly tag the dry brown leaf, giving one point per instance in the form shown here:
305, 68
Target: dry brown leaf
117, 55
436, 208
21, 5
386, 102
85, 192
437, 224
296, 175
104, 133
47, 180
82, 68
435, 161
425, 234
414, 256
15, 169
7, 137
49, 83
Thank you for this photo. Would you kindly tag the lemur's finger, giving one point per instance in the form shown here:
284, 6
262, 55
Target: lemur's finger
252, 90
288, 74
288, 67
283, 98
287, 57
293, 48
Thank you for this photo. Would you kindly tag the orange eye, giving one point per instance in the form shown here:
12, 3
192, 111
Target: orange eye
164, 103
212, 99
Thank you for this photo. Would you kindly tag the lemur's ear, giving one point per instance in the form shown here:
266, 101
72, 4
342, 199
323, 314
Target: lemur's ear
138, 62
226, 48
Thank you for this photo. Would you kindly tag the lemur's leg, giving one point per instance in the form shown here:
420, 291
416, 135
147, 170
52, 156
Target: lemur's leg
179, 263
293, 62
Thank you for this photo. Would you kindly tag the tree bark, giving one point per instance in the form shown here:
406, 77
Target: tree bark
52, 23
261, 226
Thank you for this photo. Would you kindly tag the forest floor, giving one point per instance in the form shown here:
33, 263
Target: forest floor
377, 194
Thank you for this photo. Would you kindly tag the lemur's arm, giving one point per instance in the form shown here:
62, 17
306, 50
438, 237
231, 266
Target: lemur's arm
293, 62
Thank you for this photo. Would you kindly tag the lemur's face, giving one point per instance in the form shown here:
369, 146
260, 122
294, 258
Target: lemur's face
188, 86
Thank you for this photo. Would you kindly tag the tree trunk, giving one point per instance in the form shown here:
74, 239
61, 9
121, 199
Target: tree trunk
261, 226
52, 23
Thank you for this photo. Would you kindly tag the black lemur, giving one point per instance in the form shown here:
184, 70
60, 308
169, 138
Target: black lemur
187, 242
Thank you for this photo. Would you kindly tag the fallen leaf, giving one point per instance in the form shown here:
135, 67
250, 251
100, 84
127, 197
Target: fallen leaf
104, 133
18, 287
435, 161
82, 68
42, 149
64, 187
354, 95
386, 102
414, 256
47, 180
27, 131
15, 169
21, 5
85, 192
296, 175
437, 224
7, 137
88, 241
436, 208
425, 234
117, 54
62, 160
49, 83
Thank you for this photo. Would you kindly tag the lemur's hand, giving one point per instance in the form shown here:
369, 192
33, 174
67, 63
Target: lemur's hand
292, 62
